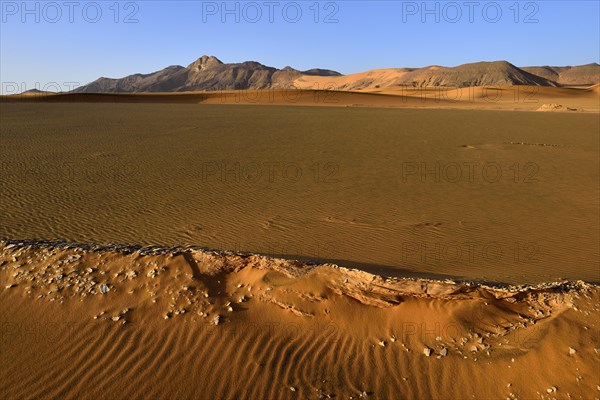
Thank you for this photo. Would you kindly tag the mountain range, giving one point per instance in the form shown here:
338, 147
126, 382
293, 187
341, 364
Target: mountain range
208, 73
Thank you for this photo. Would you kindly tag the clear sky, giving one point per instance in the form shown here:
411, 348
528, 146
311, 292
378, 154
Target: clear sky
78, 41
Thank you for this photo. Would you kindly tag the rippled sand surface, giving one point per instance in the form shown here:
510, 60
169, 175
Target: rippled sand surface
82, 321
492, 195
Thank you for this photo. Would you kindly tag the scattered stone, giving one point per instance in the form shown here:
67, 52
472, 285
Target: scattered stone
444, 352
551, 389
427, 351
473, 348
118, 317
99, 315
104, 288
10, 286
216, 319
572, 351
550, 107
382, 343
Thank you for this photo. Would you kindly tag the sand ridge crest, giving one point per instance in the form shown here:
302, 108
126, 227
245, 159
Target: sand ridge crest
214, 262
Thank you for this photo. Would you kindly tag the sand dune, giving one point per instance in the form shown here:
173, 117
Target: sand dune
85, 321
525, 98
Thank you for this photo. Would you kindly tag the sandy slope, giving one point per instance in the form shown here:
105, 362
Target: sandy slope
328, 93
284, 330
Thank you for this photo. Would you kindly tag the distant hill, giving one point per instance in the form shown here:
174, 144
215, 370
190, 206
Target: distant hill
32, 92
208, 73
588, 74
475, 74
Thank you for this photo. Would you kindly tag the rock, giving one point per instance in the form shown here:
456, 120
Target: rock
473, 348
382, 343
10, 286
104, 288
216, 319
444, 352
551, 389
427, 351
116, 318
550, 107
293, 389
572, 351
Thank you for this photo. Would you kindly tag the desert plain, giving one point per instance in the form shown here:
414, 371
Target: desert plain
244, 245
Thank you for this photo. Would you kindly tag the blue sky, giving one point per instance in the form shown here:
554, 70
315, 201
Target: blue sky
47, 41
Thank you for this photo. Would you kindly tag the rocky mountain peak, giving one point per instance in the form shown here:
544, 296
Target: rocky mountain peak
204, 63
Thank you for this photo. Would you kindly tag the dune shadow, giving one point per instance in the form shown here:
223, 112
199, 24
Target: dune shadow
390, 271
193, 264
